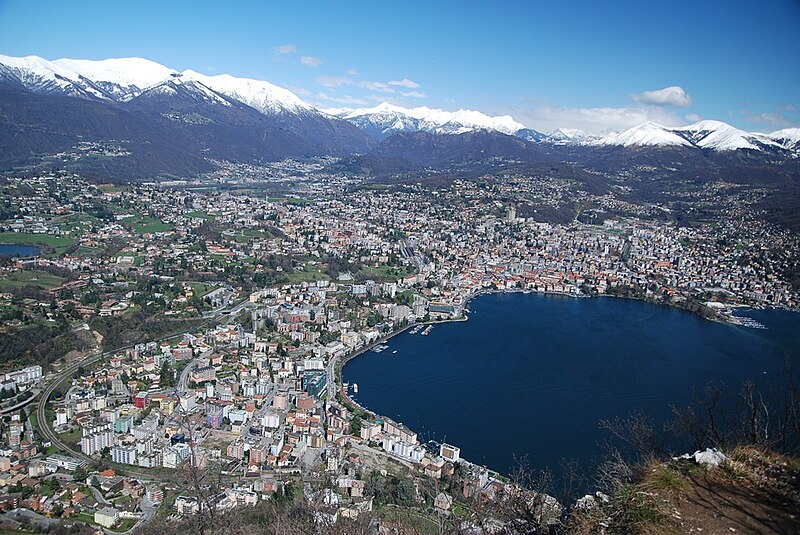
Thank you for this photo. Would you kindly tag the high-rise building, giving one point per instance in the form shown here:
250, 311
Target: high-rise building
511, 214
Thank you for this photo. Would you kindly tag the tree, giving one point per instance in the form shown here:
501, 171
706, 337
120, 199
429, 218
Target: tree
79, 474
167, 375
355, 425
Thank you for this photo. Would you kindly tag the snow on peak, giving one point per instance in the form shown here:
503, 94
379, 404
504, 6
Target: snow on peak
37, 66
390, 118
126, 72
646, 134
717, 135
567, 136
122, 79
263, 96
786, 137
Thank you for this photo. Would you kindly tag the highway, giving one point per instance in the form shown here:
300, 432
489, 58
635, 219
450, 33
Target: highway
35, 391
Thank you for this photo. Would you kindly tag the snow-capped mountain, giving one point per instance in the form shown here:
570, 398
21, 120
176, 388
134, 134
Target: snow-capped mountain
717, 135
263, 96
41, 76
385, 119
170, 122
179, 87
645, 135
709, 135
123, 79
788, 138
565, 136
179, 122
119, 77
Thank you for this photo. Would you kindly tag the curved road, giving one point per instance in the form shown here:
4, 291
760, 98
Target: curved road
44, 425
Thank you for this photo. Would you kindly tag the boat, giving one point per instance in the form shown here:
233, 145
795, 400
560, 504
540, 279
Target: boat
393, 352
427, 330
355, 388
379, 348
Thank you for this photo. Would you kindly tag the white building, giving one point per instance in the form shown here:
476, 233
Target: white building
25, 375
450, 452
106, 517
403, 449
188, 403
124, 454
175, 455
97, 438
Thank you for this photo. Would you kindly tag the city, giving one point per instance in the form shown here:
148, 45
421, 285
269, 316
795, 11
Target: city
269, 296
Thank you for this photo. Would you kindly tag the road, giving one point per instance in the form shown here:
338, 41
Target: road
44, 425
183, 382
26, 515
35, 391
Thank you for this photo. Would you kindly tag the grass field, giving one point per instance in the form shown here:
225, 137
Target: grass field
307, 276
20, 279
87, 251
73, 437
201, 289
146, 224
198, 214
385, 272
111, 188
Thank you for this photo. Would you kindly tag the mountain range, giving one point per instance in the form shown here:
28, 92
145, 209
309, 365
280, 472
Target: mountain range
178, 123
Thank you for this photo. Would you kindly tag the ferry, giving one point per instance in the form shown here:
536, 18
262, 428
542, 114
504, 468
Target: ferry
427, 330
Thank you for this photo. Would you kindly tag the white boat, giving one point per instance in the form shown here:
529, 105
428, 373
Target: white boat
355, 388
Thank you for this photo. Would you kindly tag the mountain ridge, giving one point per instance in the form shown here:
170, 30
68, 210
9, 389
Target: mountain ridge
187, 117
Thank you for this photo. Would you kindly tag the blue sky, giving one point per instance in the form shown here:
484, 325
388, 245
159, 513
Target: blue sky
550, 64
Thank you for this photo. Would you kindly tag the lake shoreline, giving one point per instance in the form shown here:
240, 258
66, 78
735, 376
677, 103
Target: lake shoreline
19, 250
411, 394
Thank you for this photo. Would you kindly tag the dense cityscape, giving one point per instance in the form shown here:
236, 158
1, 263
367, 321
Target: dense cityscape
203, 326
399, 268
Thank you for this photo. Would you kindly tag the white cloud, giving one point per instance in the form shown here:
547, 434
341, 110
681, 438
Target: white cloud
377, 86
334, 81
298, 90
405, 82
287, 49
344, 99
310, 61
693, 117
774, 119
669, 96
394, 87
547, 118
352, 72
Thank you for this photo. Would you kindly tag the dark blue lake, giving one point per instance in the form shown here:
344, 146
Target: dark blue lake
533, 375
10, 249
